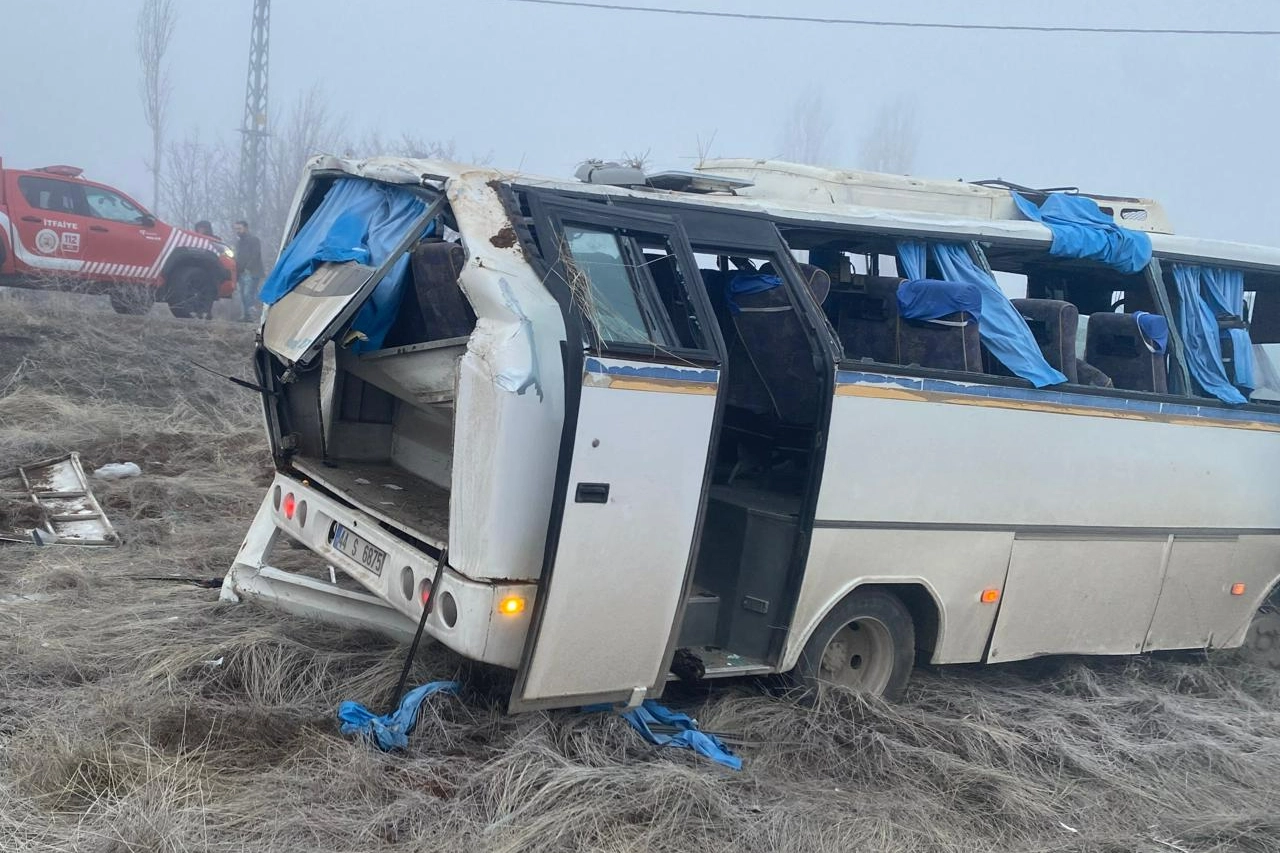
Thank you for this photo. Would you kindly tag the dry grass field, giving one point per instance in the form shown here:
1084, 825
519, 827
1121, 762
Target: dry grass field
140, 715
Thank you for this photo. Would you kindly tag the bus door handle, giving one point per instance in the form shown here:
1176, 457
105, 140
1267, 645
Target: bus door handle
98, 228
592, 493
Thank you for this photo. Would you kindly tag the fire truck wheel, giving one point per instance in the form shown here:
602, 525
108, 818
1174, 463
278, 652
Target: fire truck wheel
192, 293
135, 299
865, 644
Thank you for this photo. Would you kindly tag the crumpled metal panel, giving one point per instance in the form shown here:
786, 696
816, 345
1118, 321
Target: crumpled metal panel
49, 503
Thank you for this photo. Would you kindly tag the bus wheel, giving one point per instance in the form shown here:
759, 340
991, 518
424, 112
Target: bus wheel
1262, 643
866, 644
135, 299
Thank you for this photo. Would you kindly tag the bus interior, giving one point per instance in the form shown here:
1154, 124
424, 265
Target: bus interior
377, 425
765, 455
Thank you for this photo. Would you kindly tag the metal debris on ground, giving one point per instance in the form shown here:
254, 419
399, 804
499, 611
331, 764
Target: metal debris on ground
50, 503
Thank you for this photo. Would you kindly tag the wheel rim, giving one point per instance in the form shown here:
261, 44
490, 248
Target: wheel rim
1262, 643
859, 656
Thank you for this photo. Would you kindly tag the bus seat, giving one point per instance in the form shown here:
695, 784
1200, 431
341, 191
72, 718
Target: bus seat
1116, 346
771, 336
868, 319
949, 342
674, 297
1053, 323
817, 280
444, 308
1087, 374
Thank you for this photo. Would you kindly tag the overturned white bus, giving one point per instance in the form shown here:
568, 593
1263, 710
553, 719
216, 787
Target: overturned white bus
763, 418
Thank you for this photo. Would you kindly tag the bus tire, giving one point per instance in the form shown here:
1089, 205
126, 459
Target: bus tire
866, 644
1262, 642
133, 299
192, 292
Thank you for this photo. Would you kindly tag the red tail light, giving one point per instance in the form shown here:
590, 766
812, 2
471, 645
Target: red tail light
290, 504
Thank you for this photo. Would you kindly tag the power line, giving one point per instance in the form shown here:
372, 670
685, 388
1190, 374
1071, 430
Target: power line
861, 22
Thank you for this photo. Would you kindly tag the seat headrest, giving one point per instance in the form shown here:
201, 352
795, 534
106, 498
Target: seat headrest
818, 281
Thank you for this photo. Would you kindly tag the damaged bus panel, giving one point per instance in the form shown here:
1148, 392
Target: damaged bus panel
762, 418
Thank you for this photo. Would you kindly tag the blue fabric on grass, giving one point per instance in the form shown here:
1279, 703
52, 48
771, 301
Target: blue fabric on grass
650, 713
929, 299
391, 731
1081, 230
359, 221
1001, 327
1198, 327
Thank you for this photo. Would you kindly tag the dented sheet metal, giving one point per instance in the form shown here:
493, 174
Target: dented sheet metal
50, 502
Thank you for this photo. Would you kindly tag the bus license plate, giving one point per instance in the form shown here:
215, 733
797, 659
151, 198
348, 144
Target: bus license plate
367, 555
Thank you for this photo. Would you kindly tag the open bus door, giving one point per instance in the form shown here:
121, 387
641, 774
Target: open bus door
642, 375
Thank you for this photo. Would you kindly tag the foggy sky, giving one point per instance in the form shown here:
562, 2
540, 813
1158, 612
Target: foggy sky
1190, 121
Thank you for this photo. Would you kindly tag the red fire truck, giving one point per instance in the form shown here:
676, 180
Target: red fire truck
59, 231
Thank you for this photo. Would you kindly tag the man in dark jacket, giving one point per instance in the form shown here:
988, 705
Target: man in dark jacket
249, 269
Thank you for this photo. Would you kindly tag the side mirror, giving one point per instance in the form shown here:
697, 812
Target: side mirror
147, 220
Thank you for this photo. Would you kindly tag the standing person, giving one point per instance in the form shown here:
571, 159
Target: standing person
249, 265
206, 228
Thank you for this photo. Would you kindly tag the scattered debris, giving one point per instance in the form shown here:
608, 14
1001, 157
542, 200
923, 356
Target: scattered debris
28, 598
118, 471
214, 662
391, 731
663, 727
1067, 828
361, 481
50, 502
393, 487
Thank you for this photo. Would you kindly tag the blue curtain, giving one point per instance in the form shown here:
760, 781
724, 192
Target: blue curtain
1198, 326
360, 221
1223, 289
1001, 327
1081, 230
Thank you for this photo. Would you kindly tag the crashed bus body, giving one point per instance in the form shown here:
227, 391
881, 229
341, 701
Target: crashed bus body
691, 424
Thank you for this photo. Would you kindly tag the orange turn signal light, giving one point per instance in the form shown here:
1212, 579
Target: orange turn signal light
1237, 589
511, 605
990, 596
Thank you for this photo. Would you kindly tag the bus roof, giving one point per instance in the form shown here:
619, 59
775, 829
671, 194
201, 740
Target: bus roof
887, 204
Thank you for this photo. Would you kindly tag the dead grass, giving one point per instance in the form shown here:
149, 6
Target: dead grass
141, 716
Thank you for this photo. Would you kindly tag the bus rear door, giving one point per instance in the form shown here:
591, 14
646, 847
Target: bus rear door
642, 367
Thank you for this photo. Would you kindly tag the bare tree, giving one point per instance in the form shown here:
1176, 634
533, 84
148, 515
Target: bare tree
200, 183
308, 128
807, 134
893, 140
156, 22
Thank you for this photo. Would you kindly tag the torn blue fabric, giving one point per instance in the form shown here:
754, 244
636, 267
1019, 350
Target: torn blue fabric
360, 221
391, 731
1081, 230
745, 283
929, 299
1198, 328
1001, 327
1155, 328
1223, 289
650, 713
